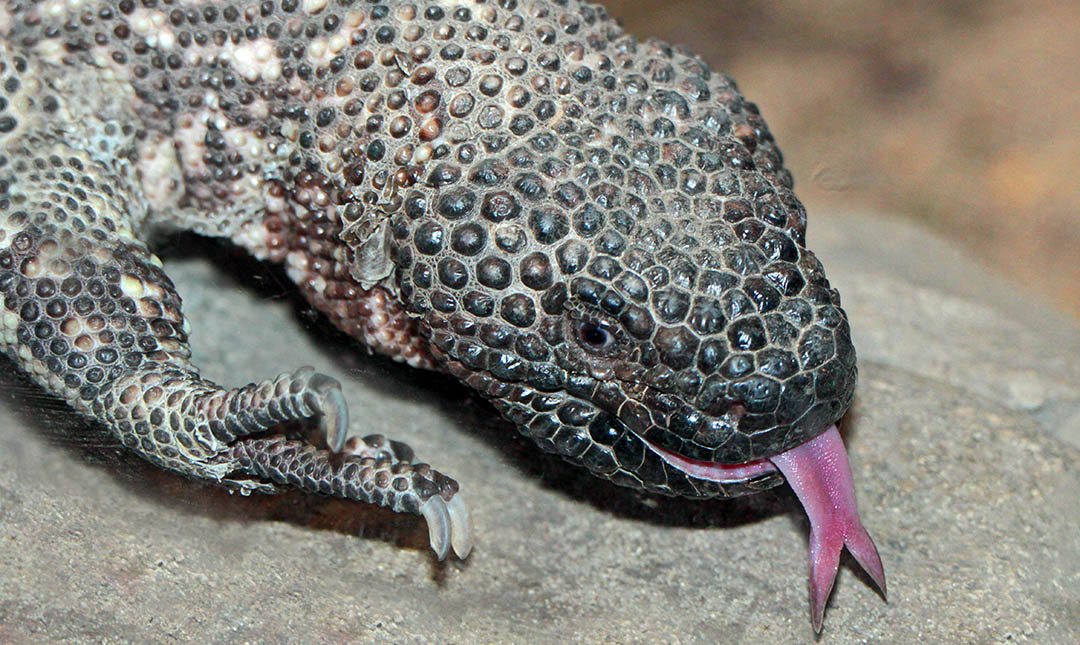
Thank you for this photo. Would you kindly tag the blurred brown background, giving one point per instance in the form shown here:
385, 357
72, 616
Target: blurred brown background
962, 115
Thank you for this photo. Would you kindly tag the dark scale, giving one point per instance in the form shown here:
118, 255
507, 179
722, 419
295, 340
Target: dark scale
518, 194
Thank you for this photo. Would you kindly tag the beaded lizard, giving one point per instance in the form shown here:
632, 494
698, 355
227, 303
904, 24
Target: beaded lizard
596, 233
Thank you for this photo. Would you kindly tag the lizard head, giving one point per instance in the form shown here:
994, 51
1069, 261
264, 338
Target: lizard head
672, 346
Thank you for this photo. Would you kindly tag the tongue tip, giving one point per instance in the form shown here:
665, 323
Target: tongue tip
819, 473
824, 565
862, 548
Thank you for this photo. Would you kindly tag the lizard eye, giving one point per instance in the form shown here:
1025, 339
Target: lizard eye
594, 336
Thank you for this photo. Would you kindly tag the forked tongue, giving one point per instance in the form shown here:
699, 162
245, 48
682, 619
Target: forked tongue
819, 473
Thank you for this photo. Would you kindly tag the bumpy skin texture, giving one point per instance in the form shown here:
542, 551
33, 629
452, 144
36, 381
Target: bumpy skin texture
596, 233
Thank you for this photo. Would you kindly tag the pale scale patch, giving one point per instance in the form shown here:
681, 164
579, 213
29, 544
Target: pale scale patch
253, 237
296, 266
153, 27
253, 60
158, 170
131, 286
9, 324
321, 50
313, 6
190, 136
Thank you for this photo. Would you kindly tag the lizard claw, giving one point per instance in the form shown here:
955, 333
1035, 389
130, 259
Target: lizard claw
819, 473
438, 524
460, 527
334, 417
448, 526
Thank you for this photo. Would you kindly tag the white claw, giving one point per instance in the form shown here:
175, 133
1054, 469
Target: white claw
460, 528
335, 420
438, 524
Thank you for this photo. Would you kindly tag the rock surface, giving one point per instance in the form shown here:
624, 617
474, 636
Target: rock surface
964, 442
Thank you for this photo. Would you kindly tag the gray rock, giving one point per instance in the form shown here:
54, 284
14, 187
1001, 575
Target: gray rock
963, 441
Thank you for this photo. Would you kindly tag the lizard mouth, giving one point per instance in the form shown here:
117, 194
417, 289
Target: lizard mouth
711, 470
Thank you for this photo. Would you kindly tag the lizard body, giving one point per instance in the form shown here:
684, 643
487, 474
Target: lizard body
597, 234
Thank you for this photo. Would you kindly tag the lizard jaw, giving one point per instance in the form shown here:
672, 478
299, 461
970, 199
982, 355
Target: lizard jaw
819, 473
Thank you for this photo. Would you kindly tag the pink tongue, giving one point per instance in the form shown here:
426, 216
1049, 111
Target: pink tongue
819, 473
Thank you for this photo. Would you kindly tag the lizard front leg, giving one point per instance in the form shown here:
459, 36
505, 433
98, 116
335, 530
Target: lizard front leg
90, 313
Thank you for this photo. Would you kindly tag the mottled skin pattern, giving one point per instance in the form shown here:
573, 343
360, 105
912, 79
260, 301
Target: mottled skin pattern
596, 233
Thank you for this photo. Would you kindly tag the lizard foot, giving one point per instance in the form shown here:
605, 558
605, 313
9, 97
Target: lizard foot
372, 470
